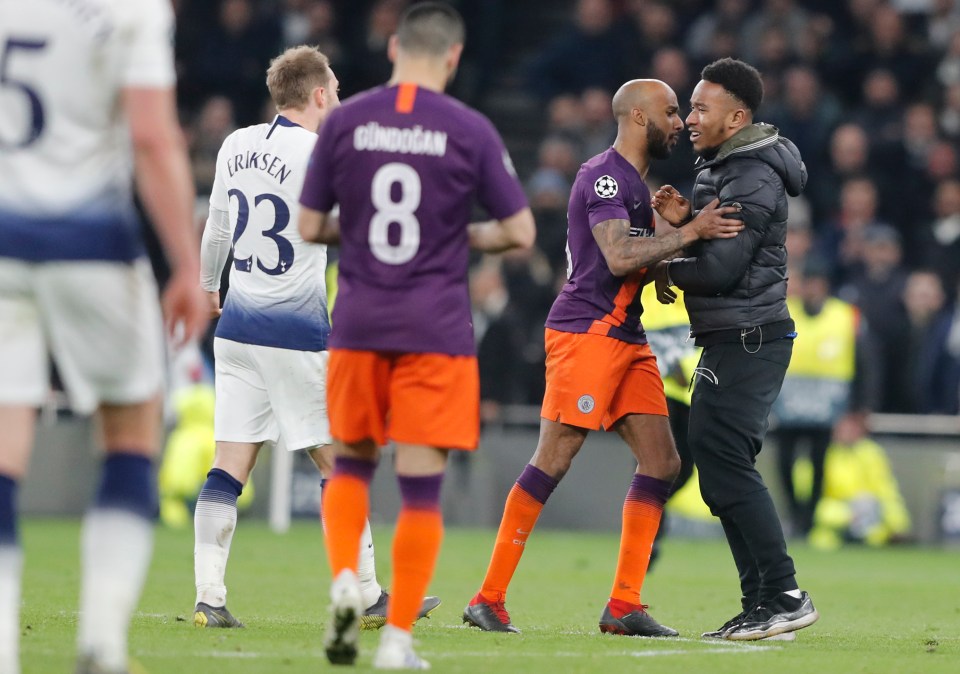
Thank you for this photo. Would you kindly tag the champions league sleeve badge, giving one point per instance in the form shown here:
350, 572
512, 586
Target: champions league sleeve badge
606, 187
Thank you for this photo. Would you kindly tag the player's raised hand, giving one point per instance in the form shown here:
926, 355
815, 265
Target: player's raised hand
671, 205
712, 223
185, 309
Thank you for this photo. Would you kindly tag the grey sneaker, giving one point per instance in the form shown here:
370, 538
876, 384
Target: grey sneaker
205, 615
721, 632
776, 616
375, 616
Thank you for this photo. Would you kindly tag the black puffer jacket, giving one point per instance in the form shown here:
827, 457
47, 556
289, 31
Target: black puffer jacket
742, 282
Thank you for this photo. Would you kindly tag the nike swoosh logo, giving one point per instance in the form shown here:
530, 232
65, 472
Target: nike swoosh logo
522, 532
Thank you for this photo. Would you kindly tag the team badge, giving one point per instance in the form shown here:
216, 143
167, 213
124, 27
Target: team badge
606, 187
585, 403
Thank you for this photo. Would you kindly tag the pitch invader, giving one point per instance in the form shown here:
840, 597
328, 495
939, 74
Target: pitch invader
271, 341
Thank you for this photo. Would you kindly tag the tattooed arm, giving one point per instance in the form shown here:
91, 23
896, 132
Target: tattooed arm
626, 254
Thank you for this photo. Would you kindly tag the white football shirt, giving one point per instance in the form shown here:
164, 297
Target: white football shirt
65, 156
277, 291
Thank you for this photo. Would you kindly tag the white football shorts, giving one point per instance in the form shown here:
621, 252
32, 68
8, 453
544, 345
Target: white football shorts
265, 393
99, 320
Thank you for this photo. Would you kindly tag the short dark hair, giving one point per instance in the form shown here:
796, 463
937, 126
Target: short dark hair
430, 28
740, 79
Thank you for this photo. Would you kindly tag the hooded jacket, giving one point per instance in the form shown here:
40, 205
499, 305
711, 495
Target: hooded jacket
742, 282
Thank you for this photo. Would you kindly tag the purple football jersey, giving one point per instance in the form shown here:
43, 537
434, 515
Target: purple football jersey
593, 300
406, 164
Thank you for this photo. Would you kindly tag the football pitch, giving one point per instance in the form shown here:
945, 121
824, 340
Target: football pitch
895, 610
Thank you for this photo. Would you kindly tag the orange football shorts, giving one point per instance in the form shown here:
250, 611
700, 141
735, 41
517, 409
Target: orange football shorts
430, 399
594, 380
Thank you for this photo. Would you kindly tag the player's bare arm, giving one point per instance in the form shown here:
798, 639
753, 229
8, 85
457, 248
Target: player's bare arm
495, 236
671, 205
626, 254
165, 185
317, 227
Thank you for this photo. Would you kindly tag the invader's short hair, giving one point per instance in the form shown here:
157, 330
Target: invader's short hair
740, 79
294, 74
430, 28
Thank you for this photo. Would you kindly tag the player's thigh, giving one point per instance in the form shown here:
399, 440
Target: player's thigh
105, 330
23, 352
435, 401
242, 412
583, 373
358, 396
296, 383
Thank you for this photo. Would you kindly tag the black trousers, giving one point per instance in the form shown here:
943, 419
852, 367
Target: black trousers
736, 386
788, 441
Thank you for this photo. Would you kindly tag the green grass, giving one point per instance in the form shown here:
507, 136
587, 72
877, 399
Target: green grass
894, 610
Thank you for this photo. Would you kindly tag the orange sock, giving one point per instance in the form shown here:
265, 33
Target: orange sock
416, 546
520, 514
346, 502
642, 510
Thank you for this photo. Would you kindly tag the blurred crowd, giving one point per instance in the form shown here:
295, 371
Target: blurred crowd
869, 90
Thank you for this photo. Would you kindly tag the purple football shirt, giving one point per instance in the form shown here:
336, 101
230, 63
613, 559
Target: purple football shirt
406, 165
593, 300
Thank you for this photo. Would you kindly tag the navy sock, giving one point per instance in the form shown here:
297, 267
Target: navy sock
221, 482
8, 512
127, 483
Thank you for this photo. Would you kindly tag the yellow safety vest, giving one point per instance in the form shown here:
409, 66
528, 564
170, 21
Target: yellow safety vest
668, 331
816, 390
826, 342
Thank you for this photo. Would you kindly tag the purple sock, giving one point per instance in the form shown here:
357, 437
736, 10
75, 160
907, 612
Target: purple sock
536, 483
421, 492
649, 490
358, 468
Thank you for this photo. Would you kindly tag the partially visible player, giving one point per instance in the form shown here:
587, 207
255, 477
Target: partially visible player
270, 344
405, 163
81, 85
601, 373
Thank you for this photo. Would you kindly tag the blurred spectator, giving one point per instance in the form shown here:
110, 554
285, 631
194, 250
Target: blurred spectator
948, 70
943, 25
321, 24
831, 374
880, 111
656, 27
726, 17
368, 65
950, 113
941, 241
205, 136
593, 52
889, 47
785, 17
232, 56
841, 242
565, 117
934, 372
849, 158
877, 290
774, 56
800, 241
599, 128
861, 500
806, 115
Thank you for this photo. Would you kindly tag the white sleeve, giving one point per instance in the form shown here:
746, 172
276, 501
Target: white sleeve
214, 248
149, 57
